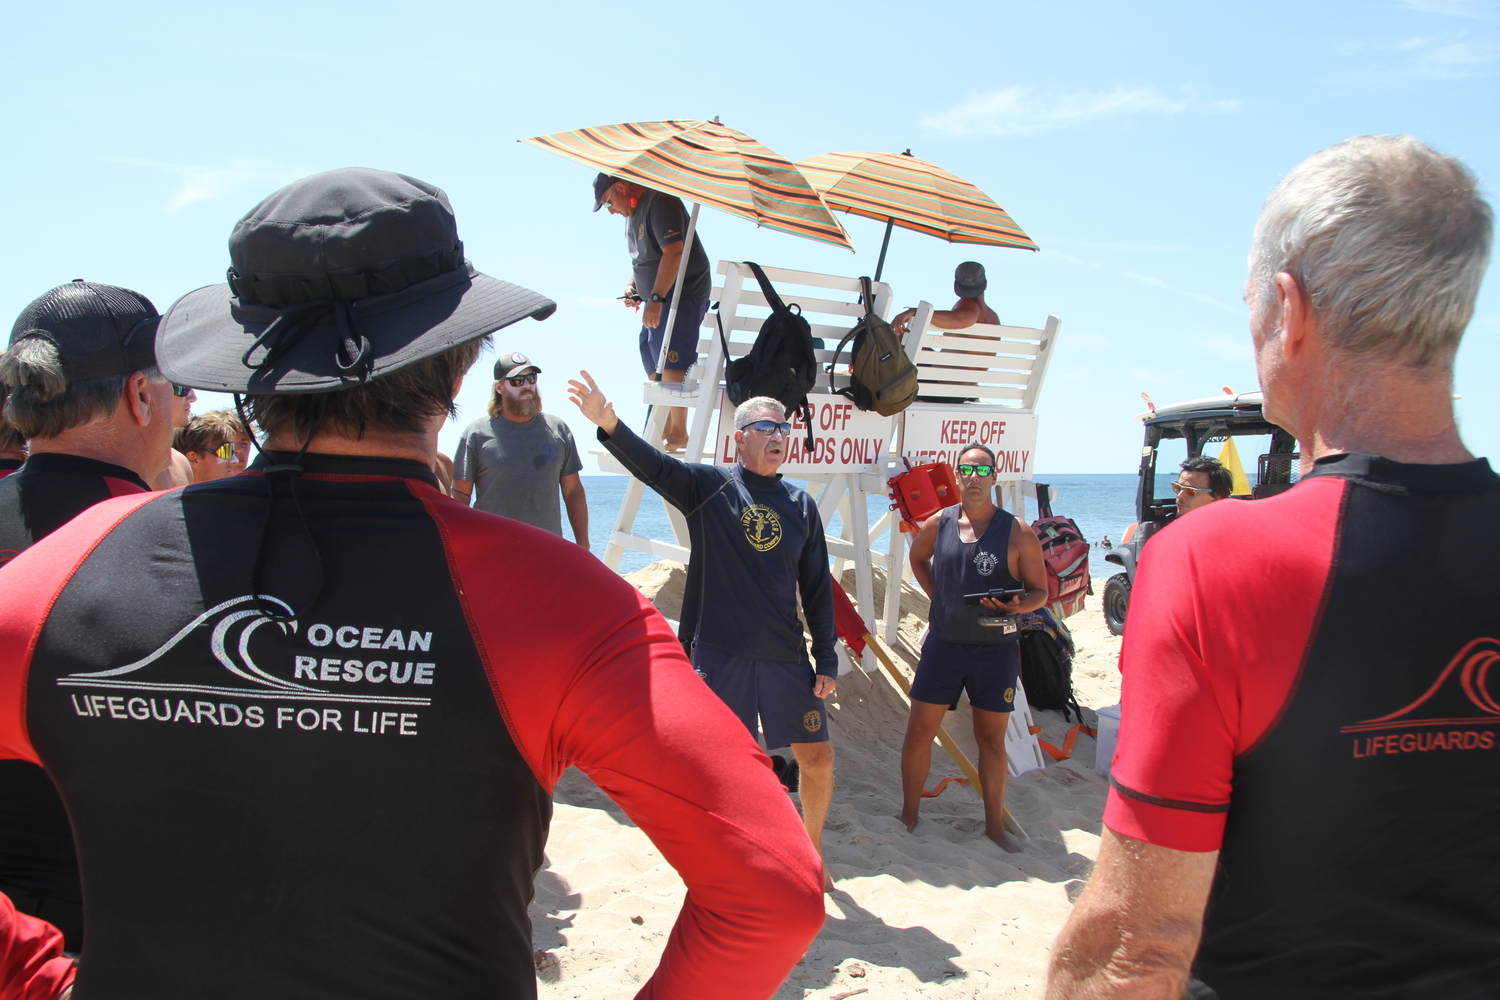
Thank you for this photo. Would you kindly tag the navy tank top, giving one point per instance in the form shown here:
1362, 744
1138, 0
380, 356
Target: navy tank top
960, 568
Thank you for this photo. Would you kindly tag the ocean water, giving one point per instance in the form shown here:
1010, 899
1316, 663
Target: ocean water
1099, 504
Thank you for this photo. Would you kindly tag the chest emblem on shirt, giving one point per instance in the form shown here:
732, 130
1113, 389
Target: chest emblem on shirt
1444, 717
985, 562
762, 527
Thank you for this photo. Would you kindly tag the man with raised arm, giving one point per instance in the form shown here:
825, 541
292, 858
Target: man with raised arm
973, 548
307, 720
757, 545
1303, 802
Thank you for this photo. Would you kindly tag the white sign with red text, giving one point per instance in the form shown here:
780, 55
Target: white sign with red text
937, 432
845, 439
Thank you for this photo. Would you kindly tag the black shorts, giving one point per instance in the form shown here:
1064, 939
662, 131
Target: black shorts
988, 672
780, 694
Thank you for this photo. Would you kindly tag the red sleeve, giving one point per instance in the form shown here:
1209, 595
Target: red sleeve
1221, 618
31, 962
606, 687
29, 585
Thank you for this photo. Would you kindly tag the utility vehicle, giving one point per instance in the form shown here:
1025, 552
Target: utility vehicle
1181, 431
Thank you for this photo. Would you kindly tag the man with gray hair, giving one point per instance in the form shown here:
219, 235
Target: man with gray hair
1303, 796
82, 387
757, 543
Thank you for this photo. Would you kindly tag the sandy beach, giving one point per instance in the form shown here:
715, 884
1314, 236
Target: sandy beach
941, 912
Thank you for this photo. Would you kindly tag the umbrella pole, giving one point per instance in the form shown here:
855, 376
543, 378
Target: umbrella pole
687, 251
884, 244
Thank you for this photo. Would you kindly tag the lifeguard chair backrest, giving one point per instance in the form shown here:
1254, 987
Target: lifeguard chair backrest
831, 303
922, 491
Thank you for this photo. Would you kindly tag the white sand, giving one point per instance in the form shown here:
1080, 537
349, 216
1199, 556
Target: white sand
942, 912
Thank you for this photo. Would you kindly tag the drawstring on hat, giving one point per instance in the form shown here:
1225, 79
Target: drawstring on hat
353, 355
272, 474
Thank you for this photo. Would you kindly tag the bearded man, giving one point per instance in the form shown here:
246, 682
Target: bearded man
513, 463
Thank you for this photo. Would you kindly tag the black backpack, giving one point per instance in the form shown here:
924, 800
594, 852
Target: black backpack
781, 363
882, 378
1047, 670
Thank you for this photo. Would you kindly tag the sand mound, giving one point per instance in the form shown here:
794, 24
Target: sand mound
942, 912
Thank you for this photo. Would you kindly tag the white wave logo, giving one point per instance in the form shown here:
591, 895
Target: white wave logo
229, 641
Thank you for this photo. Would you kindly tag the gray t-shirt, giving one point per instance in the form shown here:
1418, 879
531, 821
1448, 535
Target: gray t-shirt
516, 467
659, 221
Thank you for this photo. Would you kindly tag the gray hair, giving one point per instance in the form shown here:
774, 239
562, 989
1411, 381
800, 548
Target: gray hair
42, 403
1389, 239
745, 413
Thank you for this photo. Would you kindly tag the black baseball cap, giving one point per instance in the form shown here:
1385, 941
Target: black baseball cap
602, 184
335, 279
968, 280
513, 363
98, 330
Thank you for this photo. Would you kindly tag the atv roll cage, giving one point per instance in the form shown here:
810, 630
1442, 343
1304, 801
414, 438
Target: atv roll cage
1197, 423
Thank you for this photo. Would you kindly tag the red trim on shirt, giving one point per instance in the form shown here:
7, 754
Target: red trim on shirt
1222, 616
121, 487
586, 672
29, 586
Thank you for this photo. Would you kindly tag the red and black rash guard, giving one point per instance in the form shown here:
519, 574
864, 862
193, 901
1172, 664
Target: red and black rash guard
1308, 690
37, 864
355, 804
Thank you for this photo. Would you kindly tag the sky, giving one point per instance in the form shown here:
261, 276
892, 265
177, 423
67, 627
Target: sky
1134, 142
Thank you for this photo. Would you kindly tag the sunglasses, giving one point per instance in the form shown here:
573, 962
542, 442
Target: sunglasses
982, 471
521, 380
770, 427
229, 449
181, 390
1181, 488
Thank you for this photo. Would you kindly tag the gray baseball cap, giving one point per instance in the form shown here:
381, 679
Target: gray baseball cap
968, 280
513, 363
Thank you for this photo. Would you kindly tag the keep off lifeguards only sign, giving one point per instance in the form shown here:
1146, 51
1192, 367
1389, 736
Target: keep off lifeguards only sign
846, 439
938, 432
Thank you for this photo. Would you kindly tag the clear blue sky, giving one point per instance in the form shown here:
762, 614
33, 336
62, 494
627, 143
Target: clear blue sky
1134, 142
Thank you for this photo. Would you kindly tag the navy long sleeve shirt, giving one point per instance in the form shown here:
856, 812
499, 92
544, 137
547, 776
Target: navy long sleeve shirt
757, 543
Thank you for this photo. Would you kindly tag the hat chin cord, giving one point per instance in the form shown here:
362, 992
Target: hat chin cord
272, 474
289, 328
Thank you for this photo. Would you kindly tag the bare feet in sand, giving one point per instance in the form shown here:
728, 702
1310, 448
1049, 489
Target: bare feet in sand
909, 820
1004, 840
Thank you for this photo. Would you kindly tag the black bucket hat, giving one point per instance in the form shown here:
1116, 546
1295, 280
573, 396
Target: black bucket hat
336, 279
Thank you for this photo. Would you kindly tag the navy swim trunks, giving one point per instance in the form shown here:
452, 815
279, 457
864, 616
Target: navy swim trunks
781, 694
989, 673
682, 352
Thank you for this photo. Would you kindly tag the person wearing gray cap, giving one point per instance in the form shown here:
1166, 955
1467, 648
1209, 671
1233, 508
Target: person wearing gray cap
514, 461
307, 720
81, 383
969, 284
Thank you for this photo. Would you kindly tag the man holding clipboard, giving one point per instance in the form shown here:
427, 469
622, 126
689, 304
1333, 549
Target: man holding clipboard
982, 567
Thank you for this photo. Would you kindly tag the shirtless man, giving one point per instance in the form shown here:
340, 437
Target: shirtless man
968, 284
958, 552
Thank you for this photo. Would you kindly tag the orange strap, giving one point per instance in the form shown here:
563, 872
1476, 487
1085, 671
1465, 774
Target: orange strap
941, 785
1068, 743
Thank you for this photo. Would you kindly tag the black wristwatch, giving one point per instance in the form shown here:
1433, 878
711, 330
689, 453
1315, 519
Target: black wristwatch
657, 298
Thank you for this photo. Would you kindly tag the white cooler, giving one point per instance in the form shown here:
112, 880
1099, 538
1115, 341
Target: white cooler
1108, 725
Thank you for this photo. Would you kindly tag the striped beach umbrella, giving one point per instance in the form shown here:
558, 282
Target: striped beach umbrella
708, 163
900, 189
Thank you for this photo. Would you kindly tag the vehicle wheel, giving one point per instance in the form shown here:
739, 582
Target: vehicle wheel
1116, 602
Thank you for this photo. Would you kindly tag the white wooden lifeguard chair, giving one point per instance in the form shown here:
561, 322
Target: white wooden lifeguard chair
980, 383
